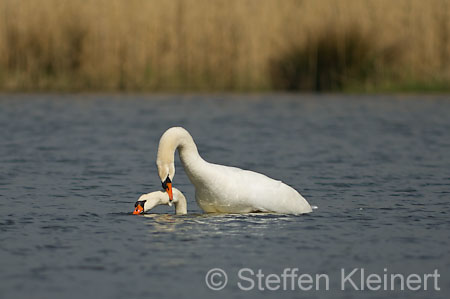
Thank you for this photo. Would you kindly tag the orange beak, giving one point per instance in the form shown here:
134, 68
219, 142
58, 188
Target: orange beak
139, 210
169, 191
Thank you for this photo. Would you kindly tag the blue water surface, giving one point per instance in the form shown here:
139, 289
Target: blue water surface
72, 166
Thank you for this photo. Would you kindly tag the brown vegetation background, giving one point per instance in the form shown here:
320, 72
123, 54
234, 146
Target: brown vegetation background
224, 45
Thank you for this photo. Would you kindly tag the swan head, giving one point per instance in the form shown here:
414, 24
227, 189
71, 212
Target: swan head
148, 201
166, 171
167, 186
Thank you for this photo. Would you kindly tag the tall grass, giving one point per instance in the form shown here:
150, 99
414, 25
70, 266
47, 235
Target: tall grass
216, 45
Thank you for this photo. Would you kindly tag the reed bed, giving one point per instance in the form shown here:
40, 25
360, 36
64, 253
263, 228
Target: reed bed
223, 45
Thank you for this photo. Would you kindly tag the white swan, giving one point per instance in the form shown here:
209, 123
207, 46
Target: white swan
221, 188
148, 201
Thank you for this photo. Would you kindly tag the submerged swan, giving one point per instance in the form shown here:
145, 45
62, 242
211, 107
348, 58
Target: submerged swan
148, 201
224, 189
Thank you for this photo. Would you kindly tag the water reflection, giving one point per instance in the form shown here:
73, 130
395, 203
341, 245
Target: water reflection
163, 222
219, 223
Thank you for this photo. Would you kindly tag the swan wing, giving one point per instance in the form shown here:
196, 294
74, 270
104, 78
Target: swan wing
231, 189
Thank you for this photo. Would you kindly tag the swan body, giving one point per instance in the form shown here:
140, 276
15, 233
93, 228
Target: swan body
153, 199
224, 189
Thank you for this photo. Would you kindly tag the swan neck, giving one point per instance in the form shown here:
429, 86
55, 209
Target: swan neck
173, 139
178, 138
181, 207
180, 203
188, 149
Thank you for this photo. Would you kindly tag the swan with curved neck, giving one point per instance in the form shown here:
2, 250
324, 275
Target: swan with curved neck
148, 201
224, 189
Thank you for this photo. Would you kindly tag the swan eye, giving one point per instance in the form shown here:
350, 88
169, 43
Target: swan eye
140, 202
164, 184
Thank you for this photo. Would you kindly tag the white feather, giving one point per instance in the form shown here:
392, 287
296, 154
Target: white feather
226, 189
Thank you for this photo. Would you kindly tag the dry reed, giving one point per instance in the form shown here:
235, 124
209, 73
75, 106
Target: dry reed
215, 45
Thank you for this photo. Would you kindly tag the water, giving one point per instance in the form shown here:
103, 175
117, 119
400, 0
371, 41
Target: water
377, 167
